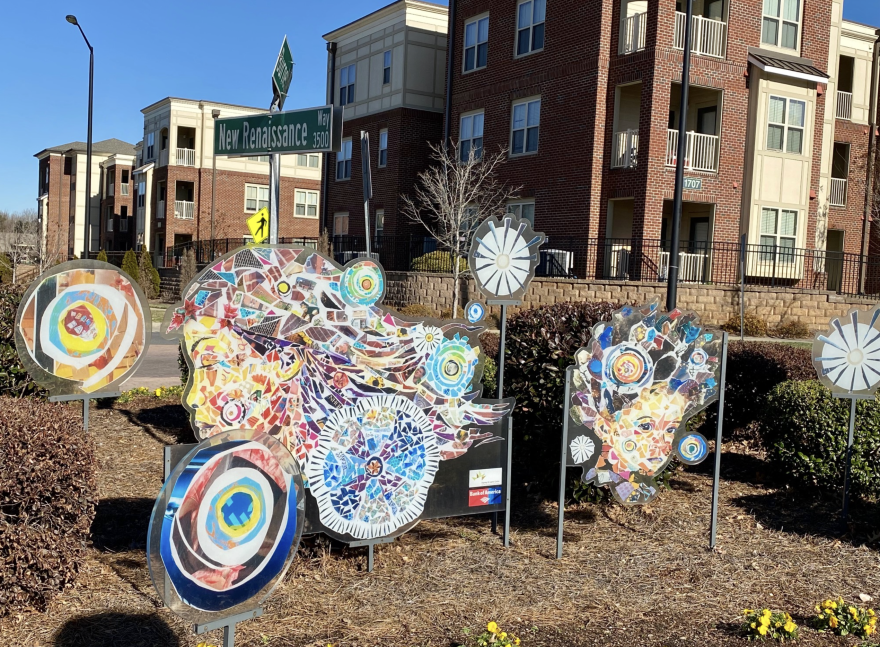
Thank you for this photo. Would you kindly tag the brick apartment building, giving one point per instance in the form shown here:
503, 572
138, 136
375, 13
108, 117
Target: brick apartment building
388, 72
174, 179
61, 196
586, 96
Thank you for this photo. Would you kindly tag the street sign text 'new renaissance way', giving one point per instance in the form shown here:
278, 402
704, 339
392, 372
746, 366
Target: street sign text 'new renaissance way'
313, 130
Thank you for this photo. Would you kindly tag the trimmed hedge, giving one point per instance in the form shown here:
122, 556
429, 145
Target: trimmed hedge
14, 380
437, 261
47, 500
805, 432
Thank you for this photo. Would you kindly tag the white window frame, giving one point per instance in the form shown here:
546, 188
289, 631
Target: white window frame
338, 217
347, 90
314, 161
530, 28
151, 141
383, 148
776, 255
513, 129
386, 67
786, 126
475, 22
461, 130
257, 189
516, 207
312, 199
380, 218
781, 22
344, 157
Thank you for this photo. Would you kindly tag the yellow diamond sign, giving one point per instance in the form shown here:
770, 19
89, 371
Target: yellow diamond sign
259, 225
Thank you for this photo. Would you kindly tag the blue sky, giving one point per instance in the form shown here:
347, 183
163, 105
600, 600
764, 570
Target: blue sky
220, 51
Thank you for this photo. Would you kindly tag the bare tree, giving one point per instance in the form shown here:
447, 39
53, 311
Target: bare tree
454, 196
20, 244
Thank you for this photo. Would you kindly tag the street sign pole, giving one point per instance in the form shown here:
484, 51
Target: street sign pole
368, 184
282, 75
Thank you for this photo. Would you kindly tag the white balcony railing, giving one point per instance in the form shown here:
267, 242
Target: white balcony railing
124, 189
184, 210
634, 32
691, 267
844, 105
701, 153
619, 262
186, 157
708, 37
626, 149
838, 192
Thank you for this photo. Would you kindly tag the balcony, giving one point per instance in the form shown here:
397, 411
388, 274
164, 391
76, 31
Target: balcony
184, 210
626, 149
634, 31
838, 192
186, 157
844, 105
708, 37
691, 267
701, 153
124, 189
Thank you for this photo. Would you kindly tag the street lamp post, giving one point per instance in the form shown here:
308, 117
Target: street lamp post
88, 229
214, 114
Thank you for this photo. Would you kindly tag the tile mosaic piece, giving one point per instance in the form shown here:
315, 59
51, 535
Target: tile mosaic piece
634, 388
82, 327
847, 357
226, 526
295, 347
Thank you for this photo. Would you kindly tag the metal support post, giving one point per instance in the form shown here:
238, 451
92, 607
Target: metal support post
503, 337
274, 186
509, 482
86, 399
228, 626
849, 447
716, 482
742, 287
563, 459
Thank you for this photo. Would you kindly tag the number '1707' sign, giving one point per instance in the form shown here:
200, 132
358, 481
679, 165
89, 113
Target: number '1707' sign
313, 130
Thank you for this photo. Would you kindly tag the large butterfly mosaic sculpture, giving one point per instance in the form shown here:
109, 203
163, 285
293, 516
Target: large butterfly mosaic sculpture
633, 390
285, 342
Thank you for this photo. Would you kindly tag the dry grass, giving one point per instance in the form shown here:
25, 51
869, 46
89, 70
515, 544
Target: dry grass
628, 577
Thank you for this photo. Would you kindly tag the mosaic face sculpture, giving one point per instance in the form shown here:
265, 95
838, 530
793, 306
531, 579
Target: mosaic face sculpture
847, 357
81, 328
503, 258
286, 342
634, 388
226, 526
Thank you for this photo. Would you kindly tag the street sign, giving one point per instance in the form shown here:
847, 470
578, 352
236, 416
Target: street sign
282, 74
312, 130
693, 184
258, 224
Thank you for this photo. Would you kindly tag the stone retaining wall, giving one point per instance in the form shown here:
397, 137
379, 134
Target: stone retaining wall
715, 304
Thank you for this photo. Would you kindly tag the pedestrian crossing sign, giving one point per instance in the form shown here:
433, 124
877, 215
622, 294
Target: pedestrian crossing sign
258, 224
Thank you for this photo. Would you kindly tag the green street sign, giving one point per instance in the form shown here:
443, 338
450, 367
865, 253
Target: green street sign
283, 73
312, 130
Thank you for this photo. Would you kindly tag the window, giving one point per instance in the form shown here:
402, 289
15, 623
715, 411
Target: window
123, 219
255, 197
142, 194
126, 179
526, 124
150, 143
778, 232
781, 23
258, 158
471, 136
386, 68
314, 161
380, 222
347, 78
530, 26
343, 161
525, 210
108, 216
160, 192
340, 224
306, 204
302, 160
785, 130
476, 44
111, 182
383, 148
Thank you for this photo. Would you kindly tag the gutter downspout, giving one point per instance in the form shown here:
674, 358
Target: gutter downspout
331, 91
450, 61
872, 152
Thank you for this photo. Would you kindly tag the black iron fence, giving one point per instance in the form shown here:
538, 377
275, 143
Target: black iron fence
618, 259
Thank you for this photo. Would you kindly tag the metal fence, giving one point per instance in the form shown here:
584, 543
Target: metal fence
620, 259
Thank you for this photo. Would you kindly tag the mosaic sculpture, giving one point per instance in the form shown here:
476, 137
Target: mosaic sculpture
503, 257
81, 328
226, 526
633, 390
847, 357
287, 343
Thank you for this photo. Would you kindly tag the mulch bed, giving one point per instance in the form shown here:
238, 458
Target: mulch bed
628, 577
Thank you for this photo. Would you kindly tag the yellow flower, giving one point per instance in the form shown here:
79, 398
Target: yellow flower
790, 626
158, 393
492, 627
502, 635
832, 622
869, 630
778, 624
853, 612
516, 640
818, 609
747, 612
765, 621
753, 625
762, 630
871, 612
